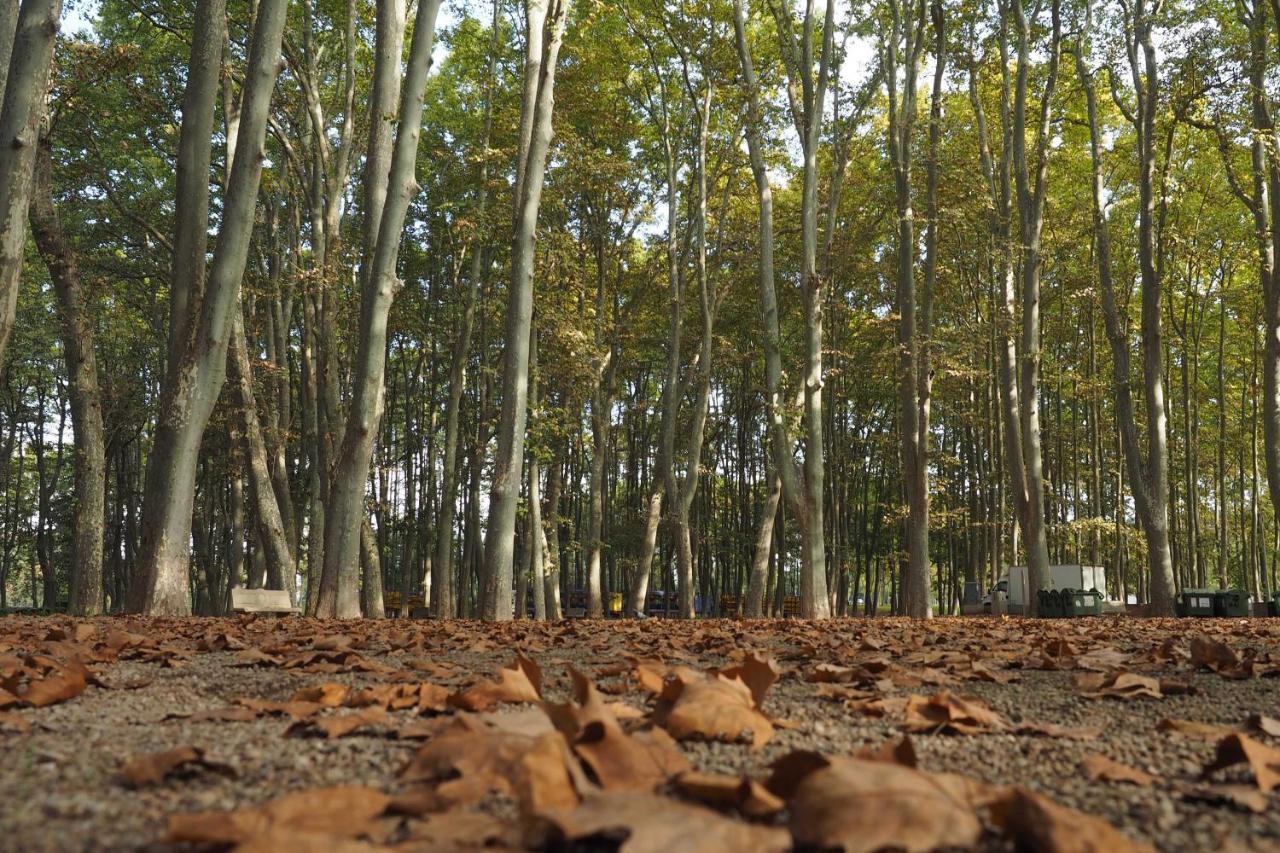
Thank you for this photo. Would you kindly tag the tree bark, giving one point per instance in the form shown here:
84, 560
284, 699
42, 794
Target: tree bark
541, 54
339, 584
30, 47
193, 381
60, 257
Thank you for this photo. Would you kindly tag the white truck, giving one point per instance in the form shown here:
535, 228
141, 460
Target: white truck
1011, 590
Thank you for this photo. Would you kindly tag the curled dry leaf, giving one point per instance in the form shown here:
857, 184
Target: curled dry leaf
857, 805
642, 761
747, 796
519, 682
1195, 728
1102, 768
945, 713
1263, 724
468, 760
329, 694
1216, 655
543, 779
340, 724
1237, 748
296, 709
1245, 797
758, 671
1118, 685
711, 707
901, 751
654, 824
1034, 822
292, 821
152, 768
50, 682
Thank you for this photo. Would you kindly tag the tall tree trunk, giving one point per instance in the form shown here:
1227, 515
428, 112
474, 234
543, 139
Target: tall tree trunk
26, 82
339, 584
193, 381
280, 563
545, 24
60, 257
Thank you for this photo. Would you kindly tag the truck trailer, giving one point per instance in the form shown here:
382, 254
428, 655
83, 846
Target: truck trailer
1012, 590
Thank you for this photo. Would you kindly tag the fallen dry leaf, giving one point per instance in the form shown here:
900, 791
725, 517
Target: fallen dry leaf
519, 682
710, 707
747, 796
1236, 748
1195, 728
320, 816
641, 761
340, 725
857, 805
1119, 685
1102, 768
329, 695
654, 824
945, 713
152, 768
1034, 822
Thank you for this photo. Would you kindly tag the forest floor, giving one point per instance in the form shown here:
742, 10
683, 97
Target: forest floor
290, 734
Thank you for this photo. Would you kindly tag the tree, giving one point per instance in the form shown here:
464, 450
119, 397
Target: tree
544, 33
201, 317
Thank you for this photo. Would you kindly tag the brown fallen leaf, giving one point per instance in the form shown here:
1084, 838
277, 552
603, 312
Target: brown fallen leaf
1034, 822
255, 657
857, 805
1102, 768
1216, 655
900, 751
152, 768
340, 725
468, 760
1263, 724
519, 682
747, 796
298, 710
1195, 728
1246, 797
710, 707
945, 713
1119, 685
641, 761
61, 681
329, 694
654, 824
1054, 730
758, 671
335, 813
1237, 748
461, 830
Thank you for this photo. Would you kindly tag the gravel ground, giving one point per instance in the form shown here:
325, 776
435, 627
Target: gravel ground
60, 786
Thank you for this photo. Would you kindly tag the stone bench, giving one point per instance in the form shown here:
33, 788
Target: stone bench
261, 601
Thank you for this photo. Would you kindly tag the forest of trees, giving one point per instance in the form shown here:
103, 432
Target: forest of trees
507, 304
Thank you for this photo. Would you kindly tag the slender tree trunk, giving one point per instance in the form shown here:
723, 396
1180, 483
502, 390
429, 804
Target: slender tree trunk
542, 52
764, 546
339, 585
30, 56
60, 257
193, 381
